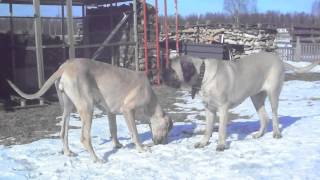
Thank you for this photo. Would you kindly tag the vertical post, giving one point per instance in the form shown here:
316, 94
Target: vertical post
86, 35
166, 33
63, 31
177, 25
297, 53
145, 37
157, 42
135, 34
83, 10
13, 56
72, 53
113, 52
38, 39
49, 26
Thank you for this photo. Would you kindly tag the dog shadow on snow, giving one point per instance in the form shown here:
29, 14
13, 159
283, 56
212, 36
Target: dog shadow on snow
242, 129
177, 132
145, 136
183, 131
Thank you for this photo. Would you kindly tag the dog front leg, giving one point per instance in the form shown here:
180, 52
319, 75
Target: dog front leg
222, 128
210, 120
113, 130
129, 117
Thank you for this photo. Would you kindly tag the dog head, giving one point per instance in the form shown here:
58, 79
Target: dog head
160, 125
182, 71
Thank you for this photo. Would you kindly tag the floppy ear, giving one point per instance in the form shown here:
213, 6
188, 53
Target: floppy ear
188, 70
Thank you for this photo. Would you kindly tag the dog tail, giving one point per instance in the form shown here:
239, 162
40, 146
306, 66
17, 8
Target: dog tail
43, 89
302, 69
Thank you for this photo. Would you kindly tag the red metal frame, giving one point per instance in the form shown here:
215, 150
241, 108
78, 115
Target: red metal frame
157, 42
177, 25
166, 33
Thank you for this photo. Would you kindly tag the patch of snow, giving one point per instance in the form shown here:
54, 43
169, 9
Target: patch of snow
303, 64
295, 156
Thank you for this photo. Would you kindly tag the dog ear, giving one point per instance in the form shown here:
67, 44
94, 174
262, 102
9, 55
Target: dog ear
188, 70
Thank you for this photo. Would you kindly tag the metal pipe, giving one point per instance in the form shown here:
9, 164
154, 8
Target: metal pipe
166, 33
177, 25
157, 42
146, 63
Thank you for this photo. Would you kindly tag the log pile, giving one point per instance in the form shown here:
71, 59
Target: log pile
254, 40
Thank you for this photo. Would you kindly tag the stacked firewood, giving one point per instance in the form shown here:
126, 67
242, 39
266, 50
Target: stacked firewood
253, 39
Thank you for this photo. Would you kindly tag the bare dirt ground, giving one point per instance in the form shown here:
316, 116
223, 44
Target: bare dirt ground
26, 125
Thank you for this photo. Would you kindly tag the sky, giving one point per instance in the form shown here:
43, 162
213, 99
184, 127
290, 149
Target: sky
186, 7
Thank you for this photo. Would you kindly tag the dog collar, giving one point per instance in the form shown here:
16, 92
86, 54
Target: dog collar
197, 86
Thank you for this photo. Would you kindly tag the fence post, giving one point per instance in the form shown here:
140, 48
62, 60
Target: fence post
12, 44
38, 39
135, 34
72, 53
297, 52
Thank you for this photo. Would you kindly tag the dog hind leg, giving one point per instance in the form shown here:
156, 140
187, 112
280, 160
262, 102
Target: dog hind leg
274, 101
67, 108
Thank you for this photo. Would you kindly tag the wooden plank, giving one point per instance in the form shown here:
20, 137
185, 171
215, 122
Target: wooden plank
203, 50
55, 2
32, 48
111, 35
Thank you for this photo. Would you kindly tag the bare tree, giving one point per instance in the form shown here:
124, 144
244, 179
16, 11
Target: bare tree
238, 7
316, 8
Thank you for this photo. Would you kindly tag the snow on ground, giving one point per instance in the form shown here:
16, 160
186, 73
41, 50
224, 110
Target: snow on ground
295, 156
303, 64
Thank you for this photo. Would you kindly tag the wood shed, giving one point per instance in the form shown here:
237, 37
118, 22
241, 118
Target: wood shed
33, 47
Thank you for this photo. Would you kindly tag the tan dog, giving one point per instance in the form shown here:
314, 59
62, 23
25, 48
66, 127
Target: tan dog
84, 83
225, 84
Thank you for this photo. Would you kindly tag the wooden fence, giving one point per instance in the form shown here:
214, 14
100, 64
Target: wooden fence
302, 52
286, 53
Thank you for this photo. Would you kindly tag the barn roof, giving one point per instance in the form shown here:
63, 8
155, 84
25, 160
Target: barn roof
58, 2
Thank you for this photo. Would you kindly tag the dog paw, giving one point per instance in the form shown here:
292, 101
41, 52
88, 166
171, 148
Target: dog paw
200, 145
72, 154
117, 145
277, 135
221, 147
69, 153
142, 149
257, 135
99, 161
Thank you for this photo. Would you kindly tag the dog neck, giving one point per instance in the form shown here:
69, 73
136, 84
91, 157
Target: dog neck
197, 86
153, 108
